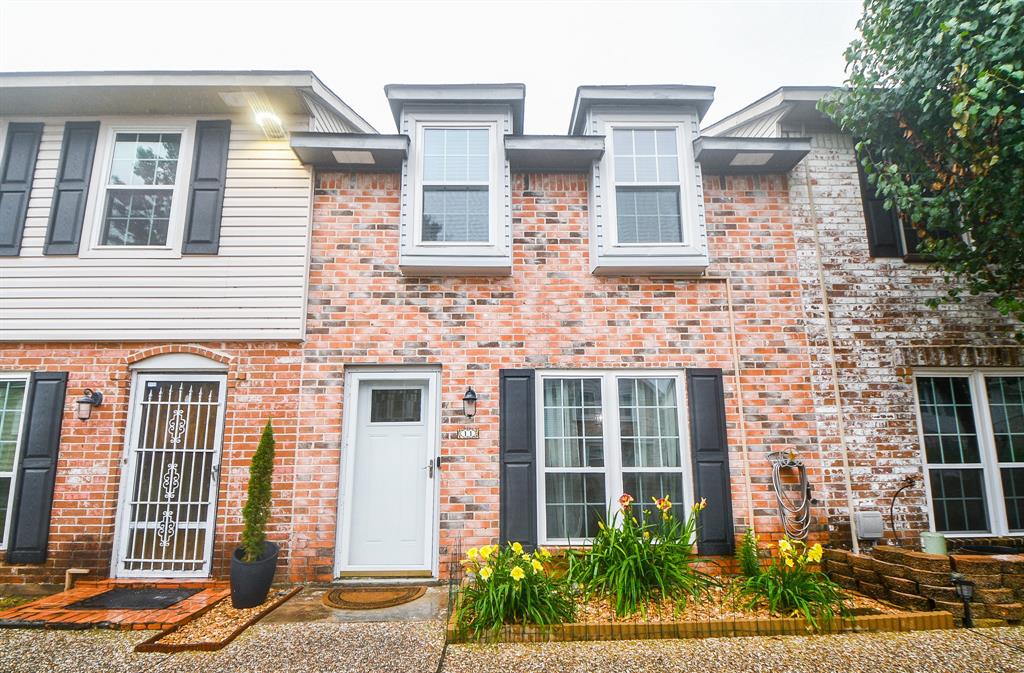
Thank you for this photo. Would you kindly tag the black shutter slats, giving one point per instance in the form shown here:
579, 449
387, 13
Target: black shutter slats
21, 149
37, 468
710, 451
517, 441
883, 225
71, 193
206, 189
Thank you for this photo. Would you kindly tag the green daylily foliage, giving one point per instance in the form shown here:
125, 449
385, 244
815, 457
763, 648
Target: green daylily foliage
936, 96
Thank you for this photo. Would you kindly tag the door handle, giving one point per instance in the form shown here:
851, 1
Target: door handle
430, 469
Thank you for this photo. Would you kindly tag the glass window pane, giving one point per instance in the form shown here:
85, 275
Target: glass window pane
648, 425
400, 405
958, 500
646, 485
1013, 493
137, 217
574, 503
5, 503
648, 215
12, 403
145, 158
452, 214
572, 412
947, 420
456, 155
645, 155
1006, 404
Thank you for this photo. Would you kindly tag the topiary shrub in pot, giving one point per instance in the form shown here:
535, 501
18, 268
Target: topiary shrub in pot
254, 562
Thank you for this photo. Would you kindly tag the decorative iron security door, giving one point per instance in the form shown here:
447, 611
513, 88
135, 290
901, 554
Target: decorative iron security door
169, 505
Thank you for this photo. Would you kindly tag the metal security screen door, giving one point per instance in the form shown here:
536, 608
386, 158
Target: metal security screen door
172, 465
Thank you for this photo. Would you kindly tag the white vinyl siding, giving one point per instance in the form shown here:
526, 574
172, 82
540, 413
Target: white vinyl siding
254, 288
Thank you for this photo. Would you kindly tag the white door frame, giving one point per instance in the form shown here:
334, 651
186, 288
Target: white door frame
128, 473
353, 381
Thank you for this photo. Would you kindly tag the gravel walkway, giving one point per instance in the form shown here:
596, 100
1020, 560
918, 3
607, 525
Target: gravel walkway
956, 651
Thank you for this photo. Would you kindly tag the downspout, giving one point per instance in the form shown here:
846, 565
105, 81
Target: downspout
827, 313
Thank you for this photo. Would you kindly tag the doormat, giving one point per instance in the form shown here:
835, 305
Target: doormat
126, 598
370, 598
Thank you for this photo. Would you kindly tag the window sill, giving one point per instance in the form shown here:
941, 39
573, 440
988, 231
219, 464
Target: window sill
626, 263
450, 263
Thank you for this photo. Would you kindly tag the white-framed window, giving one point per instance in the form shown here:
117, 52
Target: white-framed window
142, 187
457, 165
971, 425
604, 433
13, 398
648, 193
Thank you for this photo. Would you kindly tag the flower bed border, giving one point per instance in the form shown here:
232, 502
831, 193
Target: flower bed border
726, 628
153, 645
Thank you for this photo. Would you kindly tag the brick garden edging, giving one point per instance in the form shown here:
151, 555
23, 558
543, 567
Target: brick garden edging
733, 628
920, 581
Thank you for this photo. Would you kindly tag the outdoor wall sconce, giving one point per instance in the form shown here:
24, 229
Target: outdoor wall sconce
965, 590
469, 403
90, 399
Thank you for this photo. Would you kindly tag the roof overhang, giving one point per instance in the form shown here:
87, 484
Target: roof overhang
799, 105
548, 154
721, 155
513, 95
167, 92
351, 151
647, 96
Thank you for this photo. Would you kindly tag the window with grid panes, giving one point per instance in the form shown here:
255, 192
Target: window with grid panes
972, 429
12, 411
647, 187
140, 189
456, 185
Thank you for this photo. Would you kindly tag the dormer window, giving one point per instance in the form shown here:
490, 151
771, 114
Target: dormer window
647, 212
647, 187
456, 186
456, 181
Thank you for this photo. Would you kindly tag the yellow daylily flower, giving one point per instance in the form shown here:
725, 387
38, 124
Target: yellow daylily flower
472, 553
815, 552
789, 561
486, 572
543, 553
784, 546
647, 535
537, 566
517, 573
517, 548
485, 552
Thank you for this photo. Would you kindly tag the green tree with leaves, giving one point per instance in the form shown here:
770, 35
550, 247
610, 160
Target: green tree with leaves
257, 505
935, 96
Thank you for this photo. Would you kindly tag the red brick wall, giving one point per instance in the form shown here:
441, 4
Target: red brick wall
263, 381
550, 313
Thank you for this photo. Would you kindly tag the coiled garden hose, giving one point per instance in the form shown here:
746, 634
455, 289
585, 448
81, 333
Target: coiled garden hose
794, 513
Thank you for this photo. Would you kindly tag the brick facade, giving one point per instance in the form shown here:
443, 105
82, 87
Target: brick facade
263, 381
882, 327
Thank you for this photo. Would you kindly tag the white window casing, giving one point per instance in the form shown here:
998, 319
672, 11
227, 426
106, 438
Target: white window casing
419, 255
96, 207
613, 473
13, 401
609, 254
997, 520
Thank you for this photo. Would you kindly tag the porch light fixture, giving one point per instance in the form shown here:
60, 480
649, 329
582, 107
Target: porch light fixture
83, 407
469, 403
965, 590
270, 123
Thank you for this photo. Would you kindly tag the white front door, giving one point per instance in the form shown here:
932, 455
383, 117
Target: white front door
389, 509
168, 498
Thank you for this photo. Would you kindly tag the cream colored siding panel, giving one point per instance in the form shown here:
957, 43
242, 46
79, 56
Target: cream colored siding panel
254, 288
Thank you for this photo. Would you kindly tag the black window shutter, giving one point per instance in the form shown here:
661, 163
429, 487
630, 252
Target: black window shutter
37, 469
710, 459
206, 190
517, 435
16, 172
882, 224
67, 211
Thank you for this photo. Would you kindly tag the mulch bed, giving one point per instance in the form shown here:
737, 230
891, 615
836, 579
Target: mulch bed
214, 627
719, 605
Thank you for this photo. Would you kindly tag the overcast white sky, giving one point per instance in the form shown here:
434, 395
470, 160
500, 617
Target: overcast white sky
744, 48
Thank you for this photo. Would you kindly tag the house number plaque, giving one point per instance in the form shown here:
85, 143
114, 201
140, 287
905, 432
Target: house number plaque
469, 433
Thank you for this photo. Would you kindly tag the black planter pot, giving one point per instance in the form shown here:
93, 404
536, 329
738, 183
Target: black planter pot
250, 582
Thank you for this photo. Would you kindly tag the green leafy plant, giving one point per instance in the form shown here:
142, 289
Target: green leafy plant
506, 585
935, 96
793, 585
634, 561
257, 504
747, 555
